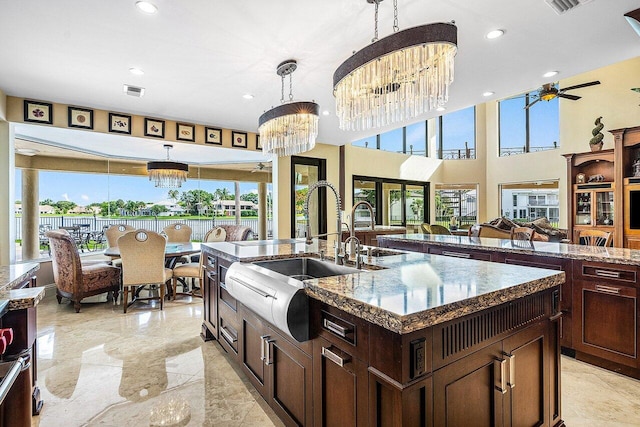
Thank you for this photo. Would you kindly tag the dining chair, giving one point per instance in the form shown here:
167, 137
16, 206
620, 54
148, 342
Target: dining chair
177, 233
142, 253
113, 233
74, 279
522, 233
435, 229
595, 238
193, 270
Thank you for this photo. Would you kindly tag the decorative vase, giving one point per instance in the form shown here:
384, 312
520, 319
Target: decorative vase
596, 147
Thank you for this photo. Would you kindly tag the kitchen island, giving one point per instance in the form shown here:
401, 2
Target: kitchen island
17, 289
412, 339
600, 322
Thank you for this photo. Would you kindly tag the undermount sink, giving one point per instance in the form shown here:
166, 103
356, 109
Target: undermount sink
306, 268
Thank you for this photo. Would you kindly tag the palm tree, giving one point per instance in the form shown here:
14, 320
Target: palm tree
174, 195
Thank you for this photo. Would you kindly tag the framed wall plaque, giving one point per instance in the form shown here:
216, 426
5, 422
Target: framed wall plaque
185, 132
119, 123
213, 136
154, 128
239, 139
38, 112
80, 118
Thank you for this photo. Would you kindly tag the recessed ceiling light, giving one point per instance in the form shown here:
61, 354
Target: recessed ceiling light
487, 93
494, 34
247, 96
146, 7
550, 74
136, 71
440, 109
326, 113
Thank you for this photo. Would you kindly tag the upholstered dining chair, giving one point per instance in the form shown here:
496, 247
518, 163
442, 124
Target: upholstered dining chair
193, 270
75, 280
434, 229
595, 238
142, 253
522, 233
177, 233
112, 234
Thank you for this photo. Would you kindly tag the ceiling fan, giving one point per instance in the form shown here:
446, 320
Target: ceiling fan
261, 167
550, 90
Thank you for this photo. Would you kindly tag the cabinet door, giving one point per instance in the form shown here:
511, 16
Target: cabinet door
583, 208
291, 380
340, 385
609, 321
253, 342
470, 392
210, 300
527, 399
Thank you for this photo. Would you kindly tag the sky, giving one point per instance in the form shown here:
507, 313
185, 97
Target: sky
86, 188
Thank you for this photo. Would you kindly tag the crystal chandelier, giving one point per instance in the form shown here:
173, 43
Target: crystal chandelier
167, 174
396, 78
291, 127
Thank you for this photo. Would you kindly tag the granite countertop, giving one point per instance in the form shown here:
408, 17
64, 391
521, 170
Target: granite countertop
14, 275
409, 291
549, 249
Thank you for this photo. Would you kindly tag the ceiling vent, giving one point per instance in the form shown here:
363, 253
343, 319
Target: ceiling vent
134, 91
562, 6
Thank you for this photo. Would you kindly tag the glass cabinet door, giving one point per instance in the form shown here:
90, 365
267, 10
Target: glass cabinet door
604, 208
583, 208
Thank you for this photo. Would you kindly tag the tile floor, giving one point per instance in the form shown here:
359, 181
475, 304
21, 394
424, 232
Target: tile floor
102, 367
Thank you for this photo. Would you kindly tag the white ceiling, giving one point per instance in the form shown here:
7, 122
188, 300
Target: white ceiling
201, 56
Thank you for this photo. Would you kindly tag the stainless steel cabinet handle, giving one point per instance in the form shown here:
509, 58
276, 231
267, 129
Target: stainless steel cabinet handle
268, 361
498, 366
330, 355
254, 289
607, 289
263, 343
223, 285
512, 370
456, 254
607, 273
335, 328
11, 376
228, 335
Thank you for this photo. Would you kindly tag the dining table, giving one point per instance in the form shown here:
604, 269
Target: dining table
172, 252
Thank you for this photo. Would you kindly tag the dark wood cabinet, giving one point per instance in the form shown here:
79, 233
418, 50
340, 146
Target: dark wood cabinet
211, 265
608, 326
280, 370
340, 386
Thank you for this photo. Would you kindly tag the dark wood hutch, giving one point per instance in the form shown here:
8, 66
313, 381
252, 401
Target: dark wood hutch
610, 202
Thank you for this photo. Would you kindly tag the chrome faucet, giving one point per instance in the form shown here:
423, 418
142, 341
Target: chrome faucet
353, 216
350, 239
313, 187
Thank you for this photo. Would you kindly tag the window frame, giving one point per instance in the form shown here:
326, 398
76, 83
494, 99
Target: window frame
404, 139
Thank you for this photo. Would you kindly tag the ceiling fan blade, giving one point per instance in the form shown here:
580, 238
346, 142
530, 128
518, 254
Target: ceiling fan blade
567, 96
527, 106
596, 82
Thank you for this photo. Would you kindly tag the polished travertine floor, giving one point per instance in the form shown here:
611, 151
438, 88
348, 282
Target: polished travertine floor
102, 367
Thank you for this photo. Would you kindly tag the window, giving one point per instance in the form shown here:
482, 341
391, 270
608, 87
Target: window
410, 139
527, 130
457, 135
456, 200
395, 202
392, 141
537, 200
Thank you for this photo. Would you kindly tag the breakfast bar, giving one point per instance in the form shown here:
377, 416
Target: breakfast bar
409, 339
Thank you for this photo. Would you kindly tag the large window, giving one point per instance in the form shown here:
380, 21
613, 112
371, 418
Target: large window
524, 130
457, 135
528, 201
395, 202
460, 201
411, 139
